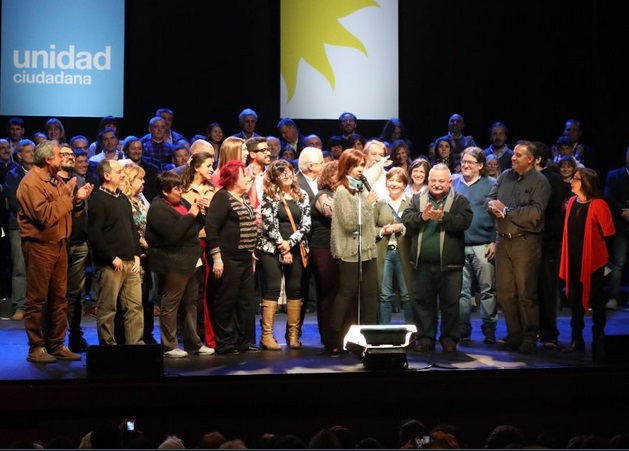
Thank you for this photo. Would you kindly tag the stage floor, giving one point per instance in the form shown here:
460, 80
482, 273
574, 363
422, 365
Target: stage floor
302, 391
472, 355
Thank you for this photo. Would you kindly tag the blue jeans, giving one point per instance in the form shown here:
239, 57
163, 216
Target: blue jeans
478, 268
436, 292
393, 268
617, 260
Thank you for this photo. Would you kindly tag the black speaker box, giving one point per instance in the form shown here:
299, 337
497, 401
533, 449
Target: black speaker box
616, 350
125, 361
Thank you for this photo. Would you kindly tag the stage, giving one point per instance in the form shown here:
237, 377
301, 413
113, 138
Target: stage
302, 391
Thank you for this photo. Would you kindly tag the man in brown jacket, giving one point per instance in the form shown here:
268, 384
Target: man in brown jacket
45, 223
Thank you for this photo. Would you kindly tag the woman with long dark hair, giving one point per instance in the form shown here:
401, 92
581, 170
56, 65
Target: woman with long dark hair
285, 213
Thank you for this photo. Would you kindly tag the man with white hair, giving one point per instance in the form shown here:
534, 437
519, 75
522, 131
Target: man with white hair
310, 167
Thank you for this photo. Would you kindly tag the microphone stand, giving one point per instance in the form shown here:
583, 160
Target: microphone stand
360, 246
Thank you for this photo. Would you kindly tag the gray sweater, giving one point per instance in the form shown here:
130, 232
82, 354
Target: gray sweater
344, 239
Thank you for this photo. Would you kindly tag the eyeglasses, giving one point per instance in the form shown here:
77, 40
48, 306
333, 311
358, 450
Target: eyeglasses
576, 179
470, 162
287, 174
66, 154
266, 149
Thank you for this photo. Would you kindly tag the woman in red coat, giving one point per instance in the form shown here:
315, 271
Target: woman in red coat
584, 257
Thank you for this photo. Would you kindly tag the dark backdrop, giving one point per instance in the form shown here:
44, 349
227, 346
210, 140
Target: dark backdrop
529, 64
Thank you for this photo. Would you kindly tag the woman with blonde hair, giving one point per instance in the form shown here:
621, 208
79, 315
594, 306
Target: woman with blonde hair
132, 186
232, 148
286, 223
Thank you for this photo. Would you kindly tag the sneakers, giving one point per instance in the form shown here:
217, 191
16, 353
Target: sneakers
176, 354
40, 355
18, 316
63, 353
612, 304
204, 350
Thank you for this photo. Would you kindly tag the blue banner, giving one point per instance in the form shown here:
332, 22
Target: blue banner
62, 58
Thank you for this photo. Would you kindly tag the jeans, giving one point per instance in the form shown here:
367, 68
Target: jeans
436, 291
393, 268
18, 278
478, 268
617, 260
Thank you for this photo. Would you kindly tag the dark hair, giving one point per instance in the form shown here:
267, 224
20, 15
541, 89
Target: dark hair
498, 124
541, 151
421, 161
106, 130
504, 435
106, 121
166, 181
410, 429
230, 173
80, 153
347, 113
590, 184
567, 159
563, 141
286, 121
272, 179
16, 121
389, 128
195, 162
334, 141
479, 155
127, 143
208, 130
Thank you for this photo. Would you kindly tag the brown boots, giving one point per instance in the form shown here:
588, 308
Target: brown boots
267, 340
293, 313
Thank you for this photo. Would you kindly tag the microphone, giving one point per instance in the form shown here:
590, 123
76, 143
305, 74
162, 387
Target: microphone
354, 184
365, 182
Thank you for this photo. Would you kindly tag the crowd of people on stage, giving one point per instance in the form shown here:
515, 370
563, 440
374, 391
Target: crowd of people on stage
409, 433
207, 232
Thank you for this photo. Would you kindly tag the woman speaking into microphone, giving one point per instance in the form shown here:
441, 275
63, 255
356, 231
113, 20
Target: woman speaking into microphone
351, 199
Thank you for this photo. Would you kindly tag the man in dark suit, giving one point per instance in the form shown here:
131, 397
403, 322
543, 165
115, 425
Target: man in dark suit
247, 119
617, 196
310, 166
291, 136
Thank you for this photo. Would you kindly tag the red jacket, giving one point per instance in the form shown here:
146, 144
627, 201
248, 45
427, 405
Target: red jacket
598, 225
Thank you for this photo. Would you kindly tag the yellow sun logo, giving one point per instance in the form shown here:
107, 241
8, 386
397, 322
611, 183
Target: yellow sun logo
306, 27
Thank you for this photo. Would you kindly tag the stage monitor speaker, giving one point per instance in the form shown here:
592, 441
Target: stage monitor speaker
617, 350
125, 361
381, 347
